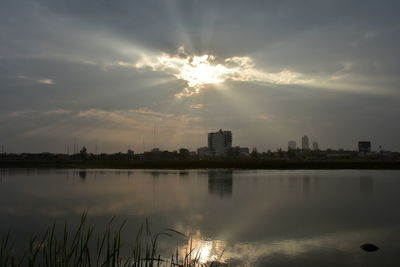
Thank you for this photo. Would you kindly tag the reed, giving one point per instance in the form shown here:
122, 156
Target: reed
80, 247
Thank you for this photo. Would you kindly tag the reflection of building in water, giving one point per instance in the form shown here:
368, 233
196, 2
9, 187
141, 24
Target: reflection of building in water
296, 184
306, 184
292, 185
156, 174
366, 185
183, 173
220, 183
82, 175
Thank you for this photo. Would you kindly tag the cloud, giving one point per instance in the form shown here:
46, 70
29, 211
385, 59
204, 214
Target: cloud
263, 117
40, 80
114, 127
197, 106
46, 81
57, 112
199, 71
146, 111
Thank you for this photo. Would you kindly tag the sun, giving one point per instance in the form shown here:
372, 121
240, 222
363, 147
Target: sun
200, 71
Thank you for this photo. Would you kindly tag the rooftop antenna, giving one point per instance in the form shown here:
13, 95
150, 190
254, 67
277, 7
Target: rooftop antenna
74, 145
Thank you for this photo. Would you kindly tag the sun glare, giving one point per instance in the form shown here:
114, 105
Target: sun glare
200, 72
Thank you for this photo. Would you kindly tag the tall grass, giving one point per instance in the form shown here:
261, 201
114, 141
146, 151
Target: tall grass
82, 248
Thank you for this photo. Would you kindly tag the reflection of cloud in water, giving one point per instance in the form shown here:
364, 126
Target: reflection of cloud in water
103, 193
249, 253
220, 183
268, 217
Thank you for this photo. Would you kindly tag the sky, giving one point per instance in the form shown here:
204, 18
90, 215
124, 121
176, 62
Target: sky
163, 73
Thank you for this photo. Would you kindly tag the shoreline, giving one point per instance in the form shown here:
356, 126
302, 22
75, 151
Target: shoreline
207, 164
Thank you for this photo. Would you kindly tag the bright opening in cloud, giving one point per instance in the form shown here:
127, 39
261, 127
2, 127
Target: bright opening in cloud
46, 81
42, 81
199, 71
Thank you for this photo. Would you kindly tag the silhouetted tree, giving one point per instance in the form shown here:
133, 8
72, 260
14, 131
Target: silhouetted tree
291, 153
183, 153
280, 153
83, 152
254, 153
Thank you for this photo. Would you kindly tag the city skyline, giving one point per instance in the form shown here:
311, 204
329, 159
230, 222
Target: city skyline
130, 74
219, 143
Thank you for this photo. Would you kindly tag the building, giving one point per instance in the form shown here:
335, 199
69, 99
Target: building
364, 146
292, 145
219, 143
315, 146
304, 143
203, 152
239, 151
130, 153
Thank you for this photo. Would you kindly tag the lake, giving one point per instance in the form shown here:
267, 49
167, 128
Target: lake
240, 217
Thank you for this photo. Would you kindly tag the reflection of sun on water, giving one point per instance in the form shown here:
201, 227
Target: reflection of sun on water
204, 251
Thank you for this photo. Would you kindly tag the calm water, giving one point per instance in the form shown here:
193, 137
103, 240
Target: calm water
258, 218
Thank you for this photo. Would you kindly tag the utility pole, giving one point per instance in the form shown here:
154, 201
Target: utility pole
154, 135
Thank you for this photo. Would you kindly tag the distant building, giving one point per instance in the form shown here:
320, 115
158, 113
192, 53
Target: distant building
219, 143
364, 146
239, 151
338, 156
315, 146
304, 143
204, 152
130, 153
292, 145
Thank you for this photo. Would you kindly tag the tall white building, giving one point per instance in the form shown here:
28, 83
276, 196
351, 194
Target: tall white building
292, 145
220, 143
304, 143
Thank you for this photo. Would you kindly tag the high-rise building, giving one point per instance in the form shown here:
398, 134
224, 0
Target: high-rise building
292, 145
304, 143
220, 143
315, 145
364, 146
